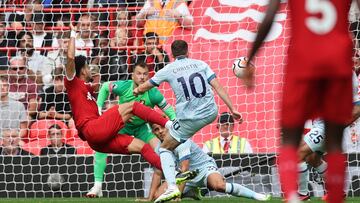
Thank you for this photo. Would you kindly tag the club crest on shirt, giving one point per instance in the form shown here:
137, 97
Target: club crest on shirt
90, 97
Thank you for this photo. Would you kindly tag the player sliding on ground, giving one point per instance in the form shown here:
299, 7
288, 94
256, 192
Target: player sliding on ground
191, 81
136, 127
312, 147
190, 157
101, 132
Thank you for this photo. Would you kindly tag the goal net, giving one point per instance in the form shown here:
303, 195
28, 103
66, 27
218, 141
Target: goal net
33, 45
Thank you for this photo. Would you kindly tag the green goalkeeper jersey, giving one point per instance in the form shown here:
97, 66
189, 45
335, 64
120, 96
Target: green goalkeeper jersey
124, 89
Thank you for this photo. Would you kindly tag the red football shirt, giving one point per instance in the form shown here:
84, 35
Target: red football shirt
82, 101
320, 41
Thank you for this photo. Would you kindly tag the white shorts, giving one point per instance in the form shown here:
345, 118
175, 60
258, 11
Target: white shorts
315, 139
201, 179
182, 130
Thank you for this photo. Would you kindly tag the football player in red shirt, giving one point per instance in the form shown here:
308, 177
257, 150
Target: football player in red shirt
319, 66
101, 131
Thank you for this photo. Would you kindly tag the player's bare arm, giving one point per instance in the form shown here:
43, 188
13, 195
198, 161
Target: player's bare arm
143, 88
70, 64
263, 31
155, 184
225, 97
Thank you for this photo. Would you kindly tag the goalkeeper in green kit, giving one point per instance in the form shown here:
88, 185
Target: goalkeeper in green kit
136, 127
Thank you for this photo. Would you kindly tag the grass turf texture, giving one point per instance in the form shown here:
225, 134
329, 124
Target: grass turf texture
100, 200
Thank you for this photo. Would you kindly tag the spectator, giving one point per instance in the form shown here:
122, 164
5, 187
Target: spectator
16, 28
4, 42
123, 19
22, 88
156, 58
61, 24
113, 65
11, 143
163, 17
59, 56
12, 113
86, 36
40, 37
54, 101
227, 142
40, 67
57, 146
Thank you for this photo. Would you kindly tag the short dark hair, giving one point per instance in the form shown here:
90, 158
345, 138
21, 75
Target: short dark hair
80, 62
179, 48
151, 35
141, 64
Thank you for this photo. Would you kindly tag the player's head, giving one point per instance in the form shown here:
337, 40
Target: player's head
140, 73
179, 48
55, 134
225, 124
158, 131
82, 68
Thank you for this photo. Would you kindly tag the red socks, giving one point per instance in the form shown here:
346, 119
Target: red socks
148, 114
150, 156
335, 177
288, 170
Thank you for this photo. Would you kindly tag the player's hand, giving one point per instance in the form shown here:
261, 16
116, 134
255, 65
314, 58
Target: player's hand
248, 76
237, 116
136, 92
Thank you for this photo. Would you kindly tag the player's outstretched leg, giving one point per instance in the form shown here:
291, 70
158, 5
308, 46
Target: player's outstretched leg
216, 182
168, 166
148, 114
100, 160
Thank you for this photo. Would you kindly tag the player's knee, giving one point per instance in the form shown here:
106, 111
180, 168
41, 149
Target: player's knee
136, 146
219, 186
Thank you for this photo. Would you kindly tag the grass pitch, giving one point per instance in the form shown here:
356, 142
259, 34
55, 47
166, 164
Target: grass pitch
105, 200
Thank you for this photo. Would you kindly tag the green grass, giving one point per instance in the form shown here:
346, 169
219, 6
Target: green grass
103, 200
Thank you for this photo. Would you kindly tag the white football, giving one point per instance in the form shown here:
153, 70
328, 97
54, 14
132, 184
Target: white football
238, 66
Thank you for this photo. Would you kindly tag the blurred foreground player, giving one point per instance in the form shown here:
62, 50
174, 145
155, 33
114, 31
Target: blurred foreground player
319, 66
